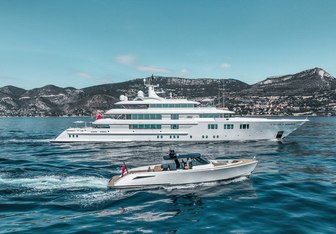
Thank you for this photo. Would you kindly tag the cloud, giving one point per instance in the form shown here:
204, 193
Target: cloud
152, 69
184, 72
129, 60
125, 59
84, 75
225, 65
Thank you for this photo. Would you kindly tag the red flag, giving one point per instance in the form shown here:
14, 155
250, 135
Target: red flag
123, 170
98, 116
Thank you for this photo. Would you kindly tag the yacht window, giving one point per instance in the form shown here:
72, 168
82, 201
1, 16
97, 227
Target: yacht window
174, 116
145, 126
212, 126
228, 126
146, 116
172, 105
174, 126
155, 105
210, 115
244, 126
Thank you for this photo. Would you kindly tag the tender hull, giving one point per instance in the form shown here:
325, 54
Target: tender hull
216, 171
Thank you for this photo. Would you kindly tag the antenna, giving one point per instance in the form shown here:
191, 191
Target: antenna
223, 94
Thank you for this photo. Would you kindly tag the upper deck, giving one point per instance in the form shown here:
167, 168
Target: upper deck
155, 104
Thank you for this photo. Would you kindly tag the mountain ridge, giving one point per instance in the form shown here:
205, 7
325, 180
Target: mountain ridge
51, 100
315, 79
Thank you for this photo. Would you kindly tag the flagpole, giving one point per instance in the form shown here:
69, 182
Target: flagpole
125, 166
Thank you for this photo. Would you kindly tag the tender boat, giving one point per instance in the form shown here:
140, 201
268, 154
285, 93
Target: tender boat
180, 169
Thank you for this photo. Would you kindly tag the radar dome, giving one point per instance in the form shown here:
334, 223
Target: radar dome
140, 94
122, 98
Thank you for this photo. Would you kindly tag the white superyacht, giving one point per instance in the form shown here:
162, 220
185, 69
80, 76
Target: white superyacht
155, 119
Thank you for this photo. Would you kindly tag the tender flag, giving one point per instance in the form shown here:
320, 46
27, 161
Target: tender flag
123, 170
98, 116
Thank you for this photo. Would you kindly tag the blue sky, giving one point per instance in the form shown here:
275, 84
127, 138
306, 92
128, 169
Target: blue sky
81, 43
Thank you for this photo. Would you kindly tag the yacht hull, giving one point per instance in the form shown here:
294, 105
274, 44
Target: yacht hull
258, 129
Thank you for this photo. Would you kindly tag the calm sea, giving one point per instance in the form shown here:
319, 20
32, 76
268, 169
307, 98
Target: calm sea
61, 188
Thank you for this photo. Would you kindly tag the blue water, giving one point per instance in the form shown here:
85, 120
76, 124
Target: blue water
61, 188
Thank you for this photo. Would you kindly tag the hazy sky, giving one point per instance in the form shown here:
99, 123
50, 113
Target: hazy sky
81, 43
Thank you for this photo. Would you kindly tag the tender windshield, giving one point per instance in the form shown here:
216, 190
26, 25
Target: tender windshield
200, 161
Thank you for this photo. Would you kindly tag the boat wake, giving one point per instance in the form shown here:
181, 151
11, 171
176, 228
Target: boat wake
95, 198
54, 182
24, 141
205, 185
75, 191
212, 189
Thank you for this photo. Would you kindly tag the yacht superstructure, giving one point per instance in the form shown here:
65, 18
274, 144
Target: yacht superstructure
155, 119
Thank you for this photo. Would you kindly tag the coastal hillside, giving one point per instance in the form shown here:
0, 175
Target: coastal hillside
305, 83
310, 92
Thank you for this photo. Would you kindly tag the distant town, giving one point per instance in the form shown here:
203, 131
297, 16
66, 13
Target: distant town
312, 105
